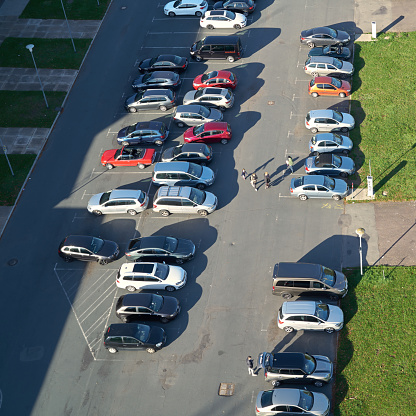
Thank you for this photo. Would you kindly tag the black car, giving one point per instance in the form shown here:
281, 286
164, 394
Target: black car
160, 248
323, 36
157, 79
134, 337
87, 248
189, 152
333, 51
143, 132
239, 6
143, 306
163, 63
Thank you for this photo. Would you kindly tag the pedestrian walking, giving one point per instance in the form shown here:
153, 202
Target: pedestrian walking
266, 180
289, 164
244, 174
253, 180
250, 366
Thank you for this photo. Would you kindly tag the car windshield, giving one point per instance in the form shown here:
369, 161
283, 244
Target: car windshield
170, 244
230, 15
130, 129
177, 3
195, 170
228, 95
337, 116
197, 196
162, 271
156, 303
177, 150
322, 311
105, 197
198, 45
198, 129
199, 93
337, 160
313, 140
312, 83
146, 77
204, 112
337, 138
327, 276
117, 153
177, 60
142, 333
206, 151
267, 398
336, 82
326, 50
139, 95
305, 400
329, 183
210, 75
309, 364
152, 61
332, 32
96, 244
337, 63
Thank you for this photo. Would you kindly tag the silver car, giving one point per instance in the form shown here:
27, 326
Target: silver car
325, 65
292, 402
222, 98
318, 186
329, 164
157, 79
118, 201
329, 120
309, 315
194, 115
330, 143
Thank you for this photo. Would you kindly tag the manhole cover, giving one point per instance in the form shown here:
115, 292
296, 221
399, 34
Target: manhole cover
271, 102
226, 389
12, 262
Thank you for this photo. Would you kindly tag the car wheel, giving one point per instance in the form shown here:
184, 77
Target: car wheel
210, 27
109, 166
132, 212
97, 213
179, 261
170, 288
162, 108
125, 319
314, 130
150, 350
203, 212
180, 124
245, 14
201, 186
318, 383
103, 262
286, 295
164, 320
231, 59
158, 142
198, 58
131, 288
275, 383
303, 197
336, 197
345, 129
125, 143
329, 330
315, 153
343, 174
68, 259
342, 94
237, 26
314, 74
112, 350
223, 108
132, 109
172, 14
288, 329
315, 94
164, 213
311, 45
141, 166
198, 14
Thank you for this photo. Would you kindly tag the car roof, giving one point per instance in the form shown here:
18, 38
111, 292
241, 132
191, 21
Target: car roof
321, 113
324, 158
129, 329
78, 240
154, 125
192, 108
220, 125
313, 180
220, 40
157, 92
321, 29
286, 396
288, 360
156, 241
167, 57
324, 136
299, 307
137, 299
125, 193
183, 191
306, 270
321, 59
215, 90
193, 147
326, 80
214, 12
171, 167
163, 74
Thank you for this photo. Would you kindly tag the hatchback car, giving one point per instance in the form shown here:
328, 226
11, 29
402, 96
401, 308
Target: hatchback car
87, 248
330, 143
186, 8
295, 367
323, 36
128, 156
329, 86
329, 164
157, 79
160, 248
150, 99
318, 186
325, 65
240, 6
218, 79
183, 200
210, 97
118, 201
194, 115
163, 63
223, 19
334, 51
287, 402
214, 132
143, 132
147, 306
134, 337
310, 316
189, 152
329, 120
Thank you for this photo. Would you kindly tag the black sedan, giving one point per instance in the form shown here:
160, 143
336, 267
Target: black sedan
87, 248
323, 36
189, 152
239, 6
163, 63
143, 306
134, 337
157, 79
161, 249
333, 51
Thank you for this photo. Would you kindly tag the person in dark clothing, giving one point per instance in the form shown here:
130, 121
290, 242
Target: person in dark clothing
250, 366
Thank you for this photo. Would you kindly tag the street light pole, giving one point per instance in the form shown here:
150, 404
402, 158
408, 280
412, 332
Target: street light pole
69, 30
360, 232
30, 49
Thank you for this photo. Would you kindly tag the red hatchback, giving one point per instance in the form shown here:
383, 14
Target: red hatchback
219, 79
212, 132
128, 156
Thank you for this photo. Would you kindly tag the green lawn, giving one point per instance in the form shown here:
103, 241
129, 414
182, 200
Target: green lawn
10, 185
28, 108
377, 350
383, 104
48, 53
75, 9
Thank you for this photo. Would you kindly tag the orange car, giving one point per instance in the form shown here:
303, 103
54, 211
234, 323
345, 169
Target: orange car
329, 86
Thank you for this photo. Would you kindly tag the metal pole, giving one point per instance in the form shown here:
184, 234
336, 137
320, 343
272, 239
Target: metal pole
5, 154
30, 48
69, 30
361, 257
369, 165
98, 2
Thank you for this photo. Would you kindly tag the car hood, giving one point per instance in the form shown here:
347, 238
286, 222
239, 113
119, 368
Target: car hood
216, 115
323, 365
108, 155
197, 81
176, 274
341, 282
145, 63
188, 133
156, 335
95, 200
108, 249
138, 81
341, 187
131, 100
189, 96
207, 174
335, 315
167, 155
122, 133
348, 119
210, 199
347, 163
343, 36
347, 66
218, 5
320, 404
346, 142
185, 247
170, 306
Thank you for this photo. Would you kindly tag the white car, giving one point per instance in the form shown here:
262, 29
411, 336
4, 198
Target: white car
186, 7
134, 276
223, 19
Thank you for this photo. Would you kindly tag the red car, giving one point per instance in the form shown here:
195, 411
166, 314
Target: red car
128, 156
212, 132
220, 79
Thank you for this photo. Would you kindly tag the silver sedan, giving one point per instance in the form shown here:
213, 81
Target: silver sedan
330, 143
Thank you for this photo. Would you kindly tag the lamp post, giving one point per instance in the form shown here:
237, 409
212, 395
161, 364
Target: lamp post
69, 30
360, 232
30, 49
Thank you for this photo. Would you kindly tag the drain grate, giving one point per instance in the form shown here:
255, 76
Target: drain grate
226, 389
271, 102
12, 262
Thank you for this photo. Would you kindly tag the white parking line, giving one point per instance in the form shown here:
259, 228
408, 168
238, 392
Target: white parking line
169, 18
301, 80
112, 288
170, 33
102, 318
296, 115
164, 47
115, 171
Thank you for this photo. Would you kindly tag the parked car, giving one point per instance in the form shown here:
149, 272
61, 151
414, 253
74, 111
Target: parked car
318, 186
335, 51
323, 36
330, 165
145, 275
158, 99
292, 402
310, 316
163, 63
189, 152
295, 367
88, 248
160, 248
134, 337
300, 279
325, 65
221, 98
218, 79
239, 6
213, 132
223, 19
217, 47
118, 201
143, 132
329, 120
186, 8
157, 79
330, 143
128, 156
329, 86
183, 200
147, 306
194, 115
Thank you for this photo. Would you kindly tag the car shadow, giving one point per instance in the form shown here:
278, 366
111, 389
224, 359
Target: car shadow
263, 36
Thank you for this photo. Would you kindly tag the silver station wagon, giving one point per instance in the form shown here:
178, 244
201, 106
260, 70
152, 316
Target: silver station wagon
325, 65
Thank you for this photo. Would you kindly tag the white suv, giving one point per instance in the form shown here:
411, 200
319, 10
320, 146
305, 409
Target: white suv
221, 98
